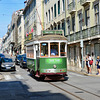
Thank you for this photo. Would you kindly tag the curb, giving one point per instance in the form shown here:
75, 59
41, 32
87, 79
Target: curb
1, 77
83, 73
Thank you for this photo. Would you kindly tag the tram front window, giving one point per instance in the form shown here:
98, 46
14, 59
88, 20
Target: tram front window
54, 49
44, 49
62, 49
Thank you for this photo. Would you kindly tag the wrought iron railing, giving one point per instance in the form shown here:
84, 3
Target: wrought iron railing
71, 7
84, 1
86, 33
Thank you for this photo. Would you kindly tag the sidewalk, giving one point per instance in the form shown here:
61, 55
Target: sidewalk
83, 72
1, 77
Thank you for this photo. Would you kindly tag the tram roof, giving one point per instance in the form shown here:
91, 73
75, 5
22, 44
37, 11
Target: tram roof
50, 37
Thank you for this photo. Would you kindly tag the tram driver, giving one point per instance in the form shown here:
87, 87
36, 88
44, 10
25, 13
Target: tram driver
53, 51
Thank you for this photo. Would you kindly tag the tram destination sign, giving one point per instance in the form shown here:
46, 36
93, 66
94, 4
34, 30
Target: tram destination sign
52, 32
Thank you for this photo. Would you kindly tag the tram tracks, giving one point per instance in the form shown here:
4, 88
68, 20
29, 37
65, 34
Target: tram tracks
73, 93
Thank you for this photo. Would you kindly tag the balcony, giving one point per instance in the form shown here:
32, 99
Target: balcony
92, 32
72, 7
84, 2
29, 37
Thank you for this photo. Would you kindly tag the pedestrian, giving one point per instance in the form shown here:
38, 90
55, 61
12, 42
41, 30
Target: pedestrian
87, 64
98, 65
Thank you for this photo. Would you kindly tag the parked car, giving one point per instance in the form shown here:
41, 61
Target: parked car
23, 62
7, 64
2, 55
17, 59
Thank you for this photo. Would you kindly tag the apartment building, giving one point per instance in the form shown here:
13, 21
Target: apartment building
20, 28
82, 27
33, 19
54, 14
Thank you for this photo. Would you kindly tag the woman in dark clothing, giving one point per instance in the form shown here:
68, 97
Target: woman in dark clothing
98, 65
87, 64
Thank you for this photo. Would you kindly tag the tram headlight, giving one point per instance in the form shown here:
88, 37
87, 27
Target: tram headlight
54, 66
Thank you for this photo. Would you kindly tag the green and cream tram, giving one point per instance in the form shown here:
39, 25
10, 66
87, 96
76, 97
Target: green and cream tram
47, 55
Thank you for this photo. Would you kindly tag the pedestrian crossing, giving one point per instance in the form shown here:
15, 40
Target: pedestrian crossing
13, 77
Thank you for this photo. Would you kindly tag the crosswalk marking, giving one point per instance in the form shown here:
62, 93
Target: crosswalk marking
7, 77
13, 77
19, 76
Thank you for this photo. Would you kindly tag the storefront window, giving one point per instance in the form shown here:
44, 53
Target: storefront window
62, 49
44, 49
88, 50
97, 50
54, 51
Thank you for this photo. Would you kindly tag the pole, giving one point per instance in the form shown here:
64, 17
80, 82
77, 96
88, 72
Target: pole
65, 17
81, 45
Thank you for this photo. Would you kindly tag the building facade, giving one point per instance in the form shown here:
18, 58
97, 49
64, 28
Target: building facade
20, 28
82, 28
33, 21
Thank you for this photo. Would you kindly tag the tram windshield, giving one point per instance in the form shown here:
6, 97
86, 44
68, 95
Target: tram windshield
54, 49
62, 49
44, 49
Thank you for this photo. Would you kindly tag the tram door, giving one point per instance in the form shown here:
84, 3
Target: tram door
37, 55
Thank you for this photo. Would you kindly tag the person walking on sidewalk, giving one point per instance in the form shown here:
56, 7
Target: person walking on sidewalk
98, 65
87, 64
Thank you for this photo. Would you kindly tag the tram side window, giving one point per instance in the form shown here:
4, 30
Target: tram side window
62, 49
30, 52
44, 49
54, 49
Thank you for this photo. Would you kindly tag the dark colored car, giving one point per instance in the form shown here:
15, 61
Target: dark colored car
2, 55
23, 62
17, 59
7, 64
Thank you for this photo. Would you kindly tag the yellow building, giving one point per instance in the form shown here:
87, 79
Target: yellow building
82, 28
83, 25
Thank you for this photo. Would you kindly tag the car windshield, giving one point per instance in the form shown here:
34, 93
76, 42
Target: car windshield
7, 60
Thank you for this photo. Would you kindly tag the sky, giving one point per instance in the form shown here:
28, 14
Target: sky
7, 7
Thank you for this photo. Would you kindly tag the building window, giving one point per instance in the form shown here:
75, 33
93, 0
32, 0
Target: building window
49, 15
58, 7
55, 10
63, 27
73, 23
63, 5
58, 26
68, 26
87, 17
46, 1
97, 49
96, 8
67, 4
80, 21
52, 13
